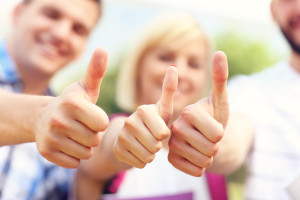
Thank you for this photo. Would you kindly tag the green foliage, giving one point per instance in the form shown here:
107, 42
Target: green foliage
107, 96
245, 55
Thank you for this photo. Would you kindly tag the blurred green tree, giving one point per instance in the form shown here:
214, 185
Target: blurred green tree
245, 55
107, 96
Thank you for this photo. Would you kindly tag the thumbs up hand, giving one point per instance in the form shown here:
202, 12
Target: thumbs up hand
196, 133
69, 125
142, 134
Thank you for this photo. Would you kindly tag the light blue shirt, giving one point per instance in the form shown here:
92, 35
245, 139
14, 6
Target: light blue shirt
24, 173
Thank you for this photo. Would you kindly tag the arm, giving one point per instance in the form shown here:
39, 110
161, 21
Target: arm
235, 145
131, 141
200, 127
66, 127
19, 112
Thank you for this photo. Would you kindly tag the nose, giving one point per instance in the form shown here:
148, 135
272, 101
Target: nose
62, 30
182, 66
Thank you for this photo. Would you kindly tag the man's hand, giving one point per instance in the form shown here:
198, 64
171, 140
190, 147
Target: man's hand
196, 133
142, 134
70, 123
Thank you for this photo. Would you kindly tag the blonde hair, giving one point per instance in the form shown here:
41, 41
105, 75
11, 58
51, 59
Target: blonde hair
172, 29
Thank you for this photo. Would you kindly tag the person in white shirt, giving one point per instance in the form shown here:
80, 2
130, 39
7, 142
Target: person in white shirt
264, 126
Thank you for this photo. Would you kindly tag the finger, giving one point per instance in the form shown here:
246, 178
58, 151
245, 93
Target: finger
165, 103
133, 124
127, 157
185, 166
203, 122
218, 93
131, 144
194, 138
184, 150
89, 114
74, 149
153, 121
91, 82
81, 134
62, 159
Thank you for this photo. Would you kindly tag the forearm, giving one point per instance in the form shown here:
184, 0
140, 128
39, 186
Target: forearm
103, 164
19, 115
87, 187
234, 146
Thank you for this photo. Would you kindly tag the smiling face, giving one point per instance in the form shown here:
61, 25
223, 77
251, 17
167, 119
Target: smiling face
191, 61
287, 14
48, 34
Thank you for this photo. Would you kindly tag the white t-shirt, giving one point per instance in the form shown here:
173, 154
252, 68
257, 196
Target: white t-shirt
272, 101
161, 178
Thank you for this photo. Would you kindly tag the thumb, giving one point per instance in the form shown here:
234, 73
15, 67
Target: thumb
218, 94
165, 103
91, 81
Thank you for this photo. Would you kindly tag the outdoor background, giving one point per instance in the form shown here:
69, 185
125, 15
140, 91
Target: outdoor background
243, 29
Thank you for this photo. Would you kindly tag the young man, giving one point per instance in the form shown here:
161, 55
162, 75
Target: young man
270, 137
47, 35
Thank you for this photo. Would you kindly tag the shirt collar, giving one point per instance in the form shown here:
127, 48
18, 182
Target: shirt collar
8, 71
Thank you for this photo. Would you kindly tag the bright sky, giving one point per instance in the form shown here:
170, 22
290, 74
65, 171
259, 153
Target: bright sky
253, 11
249, 11
123, 18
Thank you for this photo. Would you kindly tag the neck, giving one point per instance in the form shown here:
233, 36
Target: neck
34, 82
295, 61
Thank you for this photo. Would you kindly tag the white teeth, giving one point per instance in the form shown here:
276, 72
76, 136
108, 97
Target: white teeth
50, 49
47, 46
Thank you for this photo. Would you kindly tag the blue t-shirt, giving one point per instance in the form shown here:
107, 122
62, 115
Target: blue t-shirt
24, 173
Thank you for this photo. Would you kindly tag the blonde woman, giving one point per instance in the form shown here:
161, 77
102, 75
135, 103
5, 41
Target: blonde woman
154, 94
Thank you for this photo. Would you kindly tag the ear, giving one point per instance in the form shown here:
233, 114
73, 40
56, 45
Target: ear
16, 13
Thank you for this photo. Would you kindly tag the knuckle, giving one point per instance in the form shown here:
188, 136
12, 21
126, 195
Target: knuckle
166, 133
129, 123
140, 165
173, 143
104, 124
177, 130
218, 133
56, 123
118, 152
141, 110
74, 164
150, 158
51, 141
215, 149
122, 139
156, 147
70, 102
199, 172
87, 154
187, 113
97, 140
46, 153
208, 162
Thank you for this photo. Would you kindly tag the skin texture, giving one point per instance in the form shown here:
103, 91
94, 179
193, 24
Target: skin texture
51, 34
64, 127
286, 15
176, 93
47, 35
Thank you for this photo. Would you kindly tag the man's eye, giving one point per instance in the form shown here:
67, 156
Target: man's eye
52, 14
80, 30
